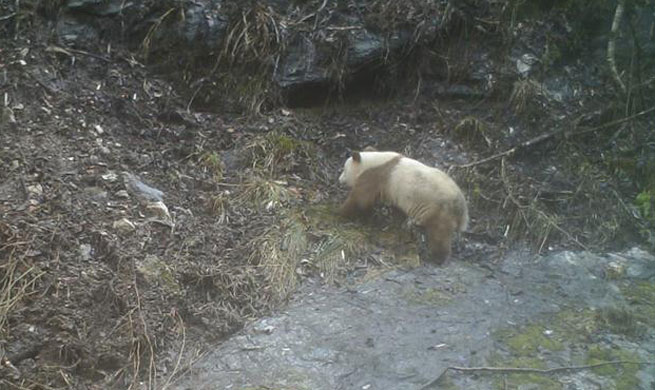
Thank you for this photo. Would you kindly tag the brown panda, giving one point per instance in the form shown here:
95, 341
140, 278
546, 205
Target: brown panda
426, 195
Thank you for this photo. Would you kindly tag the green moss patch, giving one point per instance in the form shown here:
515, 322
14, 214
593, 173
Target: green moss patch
530, 340
624, 375
641, 296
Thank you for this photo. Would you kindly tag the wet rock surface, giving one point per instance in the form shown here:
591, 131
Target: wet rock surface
402, 330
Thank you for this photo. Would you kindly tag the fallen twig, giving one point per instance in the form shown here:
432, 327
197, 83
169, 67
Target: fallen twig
7, 17
545, 371
71, 52
543, 137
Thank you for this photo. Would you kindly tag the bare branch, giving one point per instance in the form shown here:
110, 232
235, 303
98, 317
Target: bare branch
611, 44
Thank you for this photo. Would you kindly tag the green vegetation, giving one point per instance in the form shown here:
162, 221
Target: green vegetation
530, 346
212, 162
620, 321
276, 153
641, 296
531, 340
624, 375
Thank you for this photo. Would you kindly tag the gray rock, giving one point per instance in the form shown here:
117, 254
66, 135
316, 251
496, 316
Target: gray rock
99, 7
159, 210
138, 188
96, 193
402, 330
122, 194
85, 251
124, 226
75, 29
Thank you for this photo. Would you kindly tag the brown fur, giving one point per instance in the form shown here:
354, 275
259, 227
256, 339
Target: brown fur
367, 189
440, 223
439, 230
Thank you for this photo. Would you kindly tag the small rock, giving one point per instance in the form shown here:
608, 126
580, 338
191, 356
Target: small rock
134, 185
264, 328
96, 193
110, 177
98, 129
157, 272
524, 64
35, 189
158, 209
122, 194
124, 225
85, 252
614, 270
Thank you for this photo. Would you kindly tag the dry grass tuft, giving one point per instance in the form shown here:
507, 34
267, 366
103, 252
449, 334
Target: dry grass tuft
335, 254
299, 247
472, 132
264, 193
211, 161
279, 252
524, 96
276, 153
147, 40
19, 279
218, 206
253, 36
254, 43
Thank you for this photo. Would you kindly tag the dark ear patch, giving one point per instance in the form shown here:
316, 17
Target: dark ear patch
356, 156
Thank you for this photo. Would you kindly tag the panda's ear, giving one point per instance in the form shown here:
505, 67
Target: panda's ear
356, 156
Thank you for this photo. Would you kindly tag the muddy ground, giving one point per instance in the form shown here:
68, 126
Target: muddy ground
135, 234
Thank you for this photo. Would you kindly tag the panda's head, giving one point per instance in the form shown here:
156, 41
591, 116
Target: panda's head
351, 169
359, 162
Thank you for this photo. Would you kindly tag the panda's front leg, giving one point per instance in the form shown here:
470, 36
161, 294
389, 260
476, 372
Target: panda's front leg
353, 206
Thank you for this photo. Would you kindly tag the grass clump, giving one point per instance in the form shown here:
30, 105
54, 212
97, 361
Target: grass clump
276, 153
263, 193
472, 132
532, 339
279, 252
641, 296
620, 321
624, 375
299, 245
19, 280
524, 96
211, 161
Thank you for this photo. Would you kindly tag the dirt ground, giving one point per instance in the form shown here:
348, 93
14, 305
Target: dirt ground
105, 286
90, 302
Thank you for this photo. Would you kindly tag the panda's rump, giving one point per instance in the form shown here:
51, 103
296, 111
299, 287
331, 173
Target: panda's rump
422, 192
